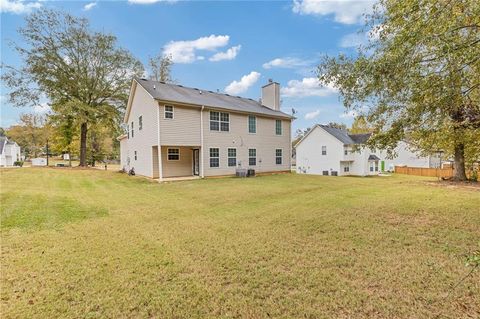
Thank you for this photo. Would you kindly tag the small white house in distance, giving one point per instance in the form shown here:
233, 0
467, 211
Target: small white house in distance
326, 150
9, 152
39, 161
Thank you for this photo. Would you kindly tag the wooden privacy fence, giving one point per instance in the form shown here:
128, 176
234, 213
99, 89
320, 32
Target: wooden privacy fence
420, 171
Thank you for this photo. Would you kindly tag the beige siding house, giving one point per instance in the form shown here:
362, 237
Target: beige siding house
175, 131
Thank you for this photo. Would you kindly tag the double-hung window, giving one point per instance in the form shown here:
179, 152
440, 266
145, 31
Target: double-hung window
128, 131
132, 129
135, 155
232, 157
168, 112
140, 122
278, 156
324, 150
252, 156
219, 121
173, 154
214, 157
346, 169
252, 124
278, 127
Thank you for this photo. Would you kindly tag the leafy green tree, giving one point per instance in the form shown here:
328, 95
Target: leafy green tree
31, 133
360, 125
419, 76
341, 126
83, 73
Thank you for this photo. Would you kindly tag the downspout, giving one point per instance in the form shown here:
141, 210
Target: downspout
201, 143
160, 167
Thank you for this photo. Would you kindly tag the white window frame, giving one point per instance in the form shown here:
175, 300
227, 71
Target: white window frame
210, 157
281, 156
255, 157
346, 169
229, 157
165, 112
248, 124
219, 121
281, 127
168, 154
324, 147
140, 122
132, 129
135, 155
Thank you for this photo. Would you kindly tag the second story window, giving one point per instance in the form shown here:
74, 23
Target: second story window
135, 155
132, 129
278, 127
345, 152
324, 150
252, 156
252, 124
219, 121
168, 112
140, 123
128, 131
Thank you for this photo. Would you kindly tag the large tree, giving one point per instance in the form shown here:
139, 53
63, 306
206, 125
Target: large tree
84, 74
418, 78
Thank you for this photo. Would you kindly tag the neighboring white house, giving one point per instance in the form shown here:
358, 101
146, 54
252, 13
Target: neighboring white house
175, 131
326, 150
9, 152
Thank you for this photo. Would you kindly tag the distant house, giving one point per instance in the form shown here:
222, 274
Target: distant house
326, 150
9, 152
176, 131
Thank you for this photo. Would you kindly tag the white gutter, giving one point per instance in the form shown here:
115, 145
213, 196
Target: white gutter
201, 143
160, 168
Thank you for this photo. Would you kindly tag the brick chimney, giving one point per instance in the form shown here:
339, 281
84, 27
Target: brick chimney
271, 95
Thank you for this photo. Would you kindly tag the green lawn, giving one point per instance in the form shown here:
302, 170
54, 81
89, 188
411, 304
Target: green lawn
91, 244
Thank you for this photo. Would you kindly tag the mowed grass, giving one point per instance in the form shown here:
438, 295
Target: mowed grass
95, 244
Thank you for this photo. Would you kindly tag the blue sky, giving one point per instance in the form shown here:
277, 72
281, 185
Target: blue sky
234, 47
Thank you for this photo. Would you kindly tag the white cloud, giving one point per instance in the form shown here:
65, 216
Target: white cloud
89, 6
18, 6
287, 62
148, 1
353, 40
307, 87
230, 54
349, 115
237, 87
312, 115
42, 108
344, 11
185, 51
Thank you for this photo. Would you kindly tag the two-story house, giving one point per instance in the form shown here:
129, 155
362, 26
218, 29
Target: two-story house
176, 131
326, 150
9, 152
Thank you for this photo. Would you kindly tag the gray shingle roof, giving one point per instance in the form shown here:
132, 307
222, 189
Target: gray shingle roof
178, 93
346, 138
373, 157
3, 139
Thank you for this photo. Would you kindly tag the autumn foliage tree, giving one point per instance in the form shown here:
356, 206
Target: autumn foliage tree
84, 74
418, 78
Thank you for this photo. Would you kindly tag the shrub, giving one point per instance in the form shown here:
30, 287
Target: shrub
18, 163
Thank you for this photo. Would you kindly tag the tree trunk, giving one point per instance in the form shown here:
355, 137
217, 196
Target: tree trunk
83, 145
459, 173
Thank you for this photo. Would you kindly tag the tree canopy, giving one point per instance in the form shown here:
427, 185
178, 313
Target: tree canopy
418, 79
83, 74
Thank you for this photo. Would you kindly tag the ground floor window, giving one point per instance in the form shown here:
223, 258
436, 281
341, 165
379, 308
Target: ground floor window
252, 156
135, 155
232, 157
214, 157
346, 169
173, 154
278, 156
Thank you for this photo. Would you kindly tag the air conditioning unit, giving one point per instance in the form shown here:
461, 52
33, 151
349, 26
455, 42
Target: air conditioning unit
241, 172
